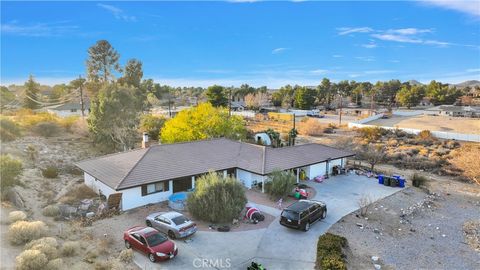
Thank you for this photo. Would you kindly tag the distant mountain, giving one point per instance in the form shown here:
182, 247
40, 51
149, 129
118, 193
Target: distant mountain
414, 82
471, 83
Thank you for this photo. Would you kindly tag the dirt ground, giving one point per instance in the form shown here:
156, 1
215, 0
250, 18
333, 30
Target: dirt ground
437, 123
415, 229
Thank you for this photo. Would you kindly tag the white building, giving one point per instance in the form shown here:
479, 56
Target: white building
151, 175
69, 109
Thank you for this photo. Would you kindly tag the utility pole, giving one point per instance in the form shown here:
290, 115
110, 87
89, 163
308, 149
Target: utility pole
340, 113
81, 96
230, 102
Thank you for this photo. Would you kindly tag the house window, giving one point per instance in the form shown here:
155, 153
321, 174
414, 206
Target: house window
154, 188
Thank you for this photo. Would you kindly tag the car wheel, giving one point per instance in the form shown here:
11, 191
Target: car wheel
324, 214
307, 226
171, 234
127, 244
149, 223
151, 257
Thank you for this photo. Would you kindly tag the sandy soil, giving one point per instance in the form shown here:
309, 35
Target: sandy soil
414, 230
438, 123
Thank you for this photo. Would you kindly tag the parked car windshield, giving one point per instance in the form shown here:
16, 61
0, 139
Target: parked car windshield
155, 239
290, 214
180, 220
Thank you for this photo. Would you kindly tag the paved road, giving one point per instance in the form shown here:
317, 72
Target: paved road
276, 247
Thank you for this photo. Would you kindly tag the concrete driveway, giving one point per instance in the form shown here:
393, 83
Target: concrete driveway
276, 247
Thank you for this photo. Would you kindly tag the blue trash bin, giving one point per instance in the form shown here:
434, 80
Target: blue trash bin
401, 182
380, 179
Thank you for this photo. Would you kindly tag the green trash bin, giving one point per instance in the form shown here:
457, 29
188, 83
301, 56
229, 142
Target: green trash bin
386, 181
393, 182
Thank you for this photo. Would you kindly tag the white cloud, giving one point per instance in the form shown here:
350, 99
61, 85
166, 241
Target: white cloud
409, 31
370, 45
118, 13
365, 58
471, 7
350, 30
39, 29
337, 56
397, 38
319, 71
279, 50
473, 70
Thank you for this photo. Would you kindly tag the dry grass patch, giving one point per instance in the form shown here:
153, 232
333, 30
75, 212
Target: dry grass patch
55, 264
311, 127
46, 245
22, 232
15, 216
110, 264
70, 248
51, 211
126, 256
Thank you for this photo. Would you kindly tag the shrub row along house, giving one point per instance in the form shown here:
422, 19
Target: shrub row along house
151, 175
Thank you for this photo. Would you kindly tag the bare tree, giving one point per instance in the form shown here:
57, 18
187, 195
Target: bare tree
372, 154
255, 101
364, 203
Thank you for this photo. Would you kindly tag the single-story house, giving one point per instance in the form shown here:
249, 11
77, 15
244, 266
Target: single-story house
151, 175
453, 110
69, 109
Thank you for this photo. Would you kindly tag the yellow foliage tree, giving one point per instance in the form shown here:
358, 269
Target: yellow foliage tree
203, 122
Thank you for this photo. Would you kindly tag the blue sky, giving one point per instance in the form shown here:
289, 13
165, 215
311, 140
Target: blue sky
260, 43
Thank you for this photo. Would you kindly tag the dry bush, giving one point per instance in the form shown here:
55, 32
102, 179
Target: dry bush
78, 193
22, 232
51, 211
46, 245
15, 216
126, 256
47, 129
70, 248
466, 159
364, 203
50, 172
68, 122
311, 127
80, 127
55, 264
28, 119
110, 264
31, 260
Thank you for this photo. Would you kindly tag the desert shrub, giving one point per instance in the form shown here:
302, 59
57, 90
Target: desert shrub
55, 264
46, 245
364, 202
31, 260
50, 172
47, 129
32, 152
27, 118
10, 169
310, 127
104, 244
22, 232
451, 144
329, 252
15, 216
425, 135
280, 184
107, 265
370, 133
418, 180
399, 133
70, 248
126, 256
68, 122
465, 159
9, 130
77, 193
152, 125
216, 199
51, 211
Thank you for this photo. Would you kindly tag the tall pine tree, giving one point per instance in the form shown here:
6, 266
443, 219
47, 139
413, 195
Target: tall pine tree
31, 94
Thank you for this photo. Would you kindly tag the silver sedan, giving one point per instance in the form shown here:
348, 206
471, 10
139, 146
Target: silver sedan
174, 224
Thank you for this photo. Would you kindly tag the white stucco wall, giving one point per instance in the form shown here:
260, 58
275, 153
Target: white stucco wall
318, 169
132, 197
67, 113
334, 162
248, 178
97, 186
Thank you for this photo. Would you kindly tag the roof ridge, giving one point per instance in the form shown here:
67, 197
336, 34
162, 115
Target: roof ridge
111, 154
194, 141
134, 166
264, 158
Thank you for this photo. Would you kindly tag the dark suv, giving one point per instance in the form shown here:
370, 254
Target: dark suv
303, 213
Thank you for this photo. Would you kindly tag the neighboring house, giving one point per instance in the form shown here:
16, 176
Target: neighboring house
237, 106
151, 175
454, 111
69, 109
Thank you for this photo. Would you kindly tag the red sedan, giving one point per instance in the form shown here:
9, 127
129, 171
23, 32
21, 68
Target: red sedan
151, 242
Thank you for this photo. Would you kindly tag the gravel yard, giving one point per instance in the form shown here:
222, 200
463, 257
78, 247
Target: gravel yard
413, 230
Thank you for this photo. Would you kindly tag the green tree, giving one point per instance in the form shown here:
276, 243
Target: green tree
304, 98
6, 96
10, 169
216, 199
79, 85
386, 92
442, 93
102, 62
114, 117
31, 94
325, 92
216, 96
203, 122
410, 96
133, 73
280, 184
59, 91
152, 125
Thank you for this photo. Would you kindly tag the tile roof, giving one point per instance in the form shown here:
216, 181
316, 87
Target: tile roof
170, 161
